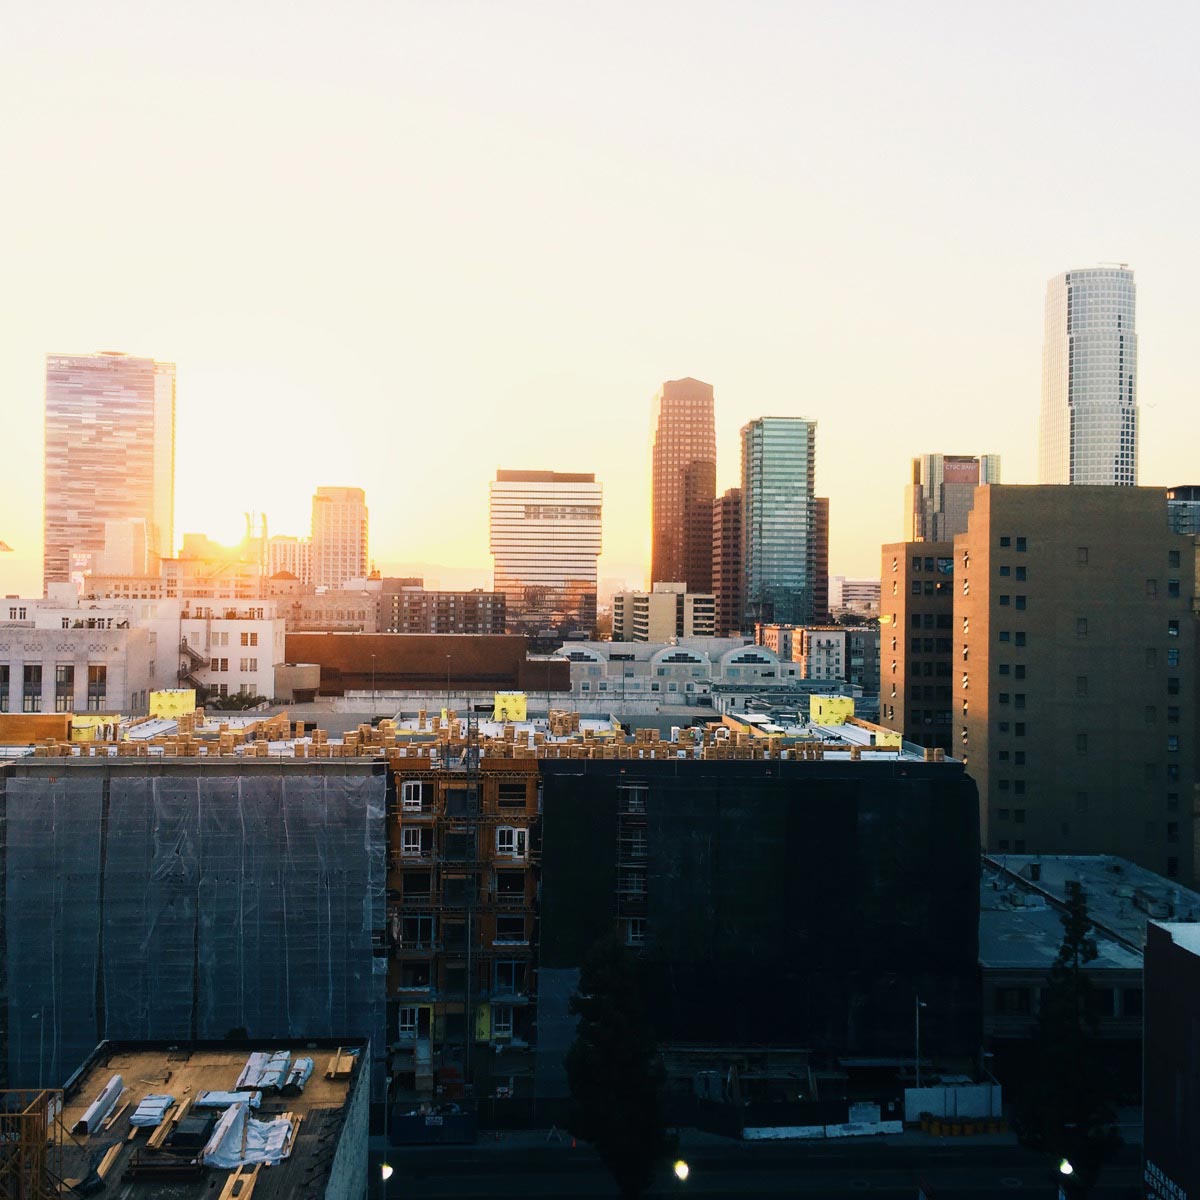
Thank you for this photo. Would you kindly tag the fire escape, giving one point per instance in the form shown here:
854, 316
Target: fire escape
194, 661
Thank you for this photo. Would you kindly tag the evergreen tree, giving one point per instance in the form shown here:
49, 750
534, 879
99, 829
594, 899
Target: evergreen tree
615, 1074
1068, 1111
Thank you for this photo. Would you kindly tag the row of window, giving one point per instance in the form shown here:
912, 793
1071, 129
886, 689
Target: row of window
417, 842
410, 1022
416, 796
64, 687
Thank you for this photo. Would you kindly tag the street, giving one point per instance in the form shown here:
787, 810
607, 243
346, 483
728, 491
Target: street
980, 1172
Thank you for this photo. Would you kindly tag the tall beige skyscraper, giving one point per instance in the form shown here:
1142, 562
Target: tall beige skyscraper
683, 484
109, 457
339, 536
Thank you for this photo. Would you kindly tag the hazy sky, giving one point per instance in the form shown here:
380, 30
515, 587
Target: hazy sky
397, 245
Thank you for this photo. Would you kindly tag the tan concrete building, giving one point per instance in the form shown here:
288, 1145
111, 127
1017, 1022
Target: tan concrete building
668, 612
1075, 699
916, 641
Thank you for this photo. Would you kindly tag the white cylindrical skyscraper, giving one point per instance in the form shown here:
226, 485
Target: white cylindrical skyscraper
1088, 428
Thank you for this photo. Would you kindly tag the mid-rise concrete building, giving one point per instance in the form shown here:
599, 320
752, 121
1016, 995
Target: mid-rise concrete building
849, 653
1183, 509
109, 455
683, 484
412, 609
231, 651
339, 536
728, 572
669, 611
1076, 676
859, 596
290, 554
938, 498
103, 665
917, 640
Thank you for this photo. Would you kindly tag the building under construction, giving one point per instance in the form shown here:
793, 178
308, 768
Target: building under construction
434, 884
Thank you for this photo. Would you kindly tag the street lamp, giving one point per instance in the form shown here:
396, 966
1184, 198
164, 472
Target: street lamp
385, 1173
919, 1004
1065, 1168
682, 1170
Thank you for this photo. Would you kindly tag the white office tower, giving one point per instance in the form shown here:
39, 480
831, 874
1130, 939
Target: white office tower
1088, 429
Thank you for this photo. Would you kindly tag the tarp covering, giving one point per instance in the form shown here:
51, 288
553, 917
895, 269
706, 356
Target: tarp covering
188, 903
151, 1110
265, 1070
225, 1099
238, 1139
298, 1076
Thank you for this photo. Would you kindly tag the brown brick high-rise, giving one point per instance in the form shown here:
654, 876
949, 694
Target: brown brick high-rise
1075, 682
683, 484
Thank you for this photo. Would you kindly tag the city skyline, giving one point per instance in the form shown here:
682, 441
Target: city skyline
627, 236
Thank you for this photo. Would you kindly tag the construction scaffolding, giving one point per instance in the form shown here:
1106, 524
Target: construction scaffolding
31, 1144
189, 902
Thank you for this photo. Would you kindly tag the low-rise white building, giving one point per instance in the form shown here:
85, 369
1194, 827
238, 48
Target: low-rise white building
68, 654
677, 672
231, 651
68, 661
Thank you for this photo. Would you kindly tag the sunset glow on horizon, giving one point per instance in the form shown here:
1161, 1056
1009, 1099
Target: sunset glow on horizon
397, 246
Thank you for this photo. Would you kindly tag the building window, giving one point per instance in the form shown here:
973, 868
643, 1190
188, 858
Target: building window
1081, 627
1005, 601
64, 688
31, 691
1172, 628
1005, 636
1020, 575
635, 931
1020, 637
1005, 543
408, 1021
1081, 555
412, 796
510, 929
1021, 545
5, 683
1020, 602
502, 1021
1172, 558
510, 977
1081, 743
1005, 570
1172, 743
410, 843
511, 842
1172, 587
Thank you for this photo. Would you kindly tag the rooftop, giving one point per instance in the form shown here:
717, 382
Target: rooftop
1021, 897
183, 1072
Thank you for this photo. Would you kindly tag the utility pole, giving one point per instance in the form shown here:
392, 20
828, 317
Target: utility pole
917, 1006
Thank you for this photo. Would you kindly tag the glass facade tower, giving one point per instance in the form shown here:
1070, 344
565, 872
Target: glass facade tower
1088, 429
779, 520
109, 457
545, 541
